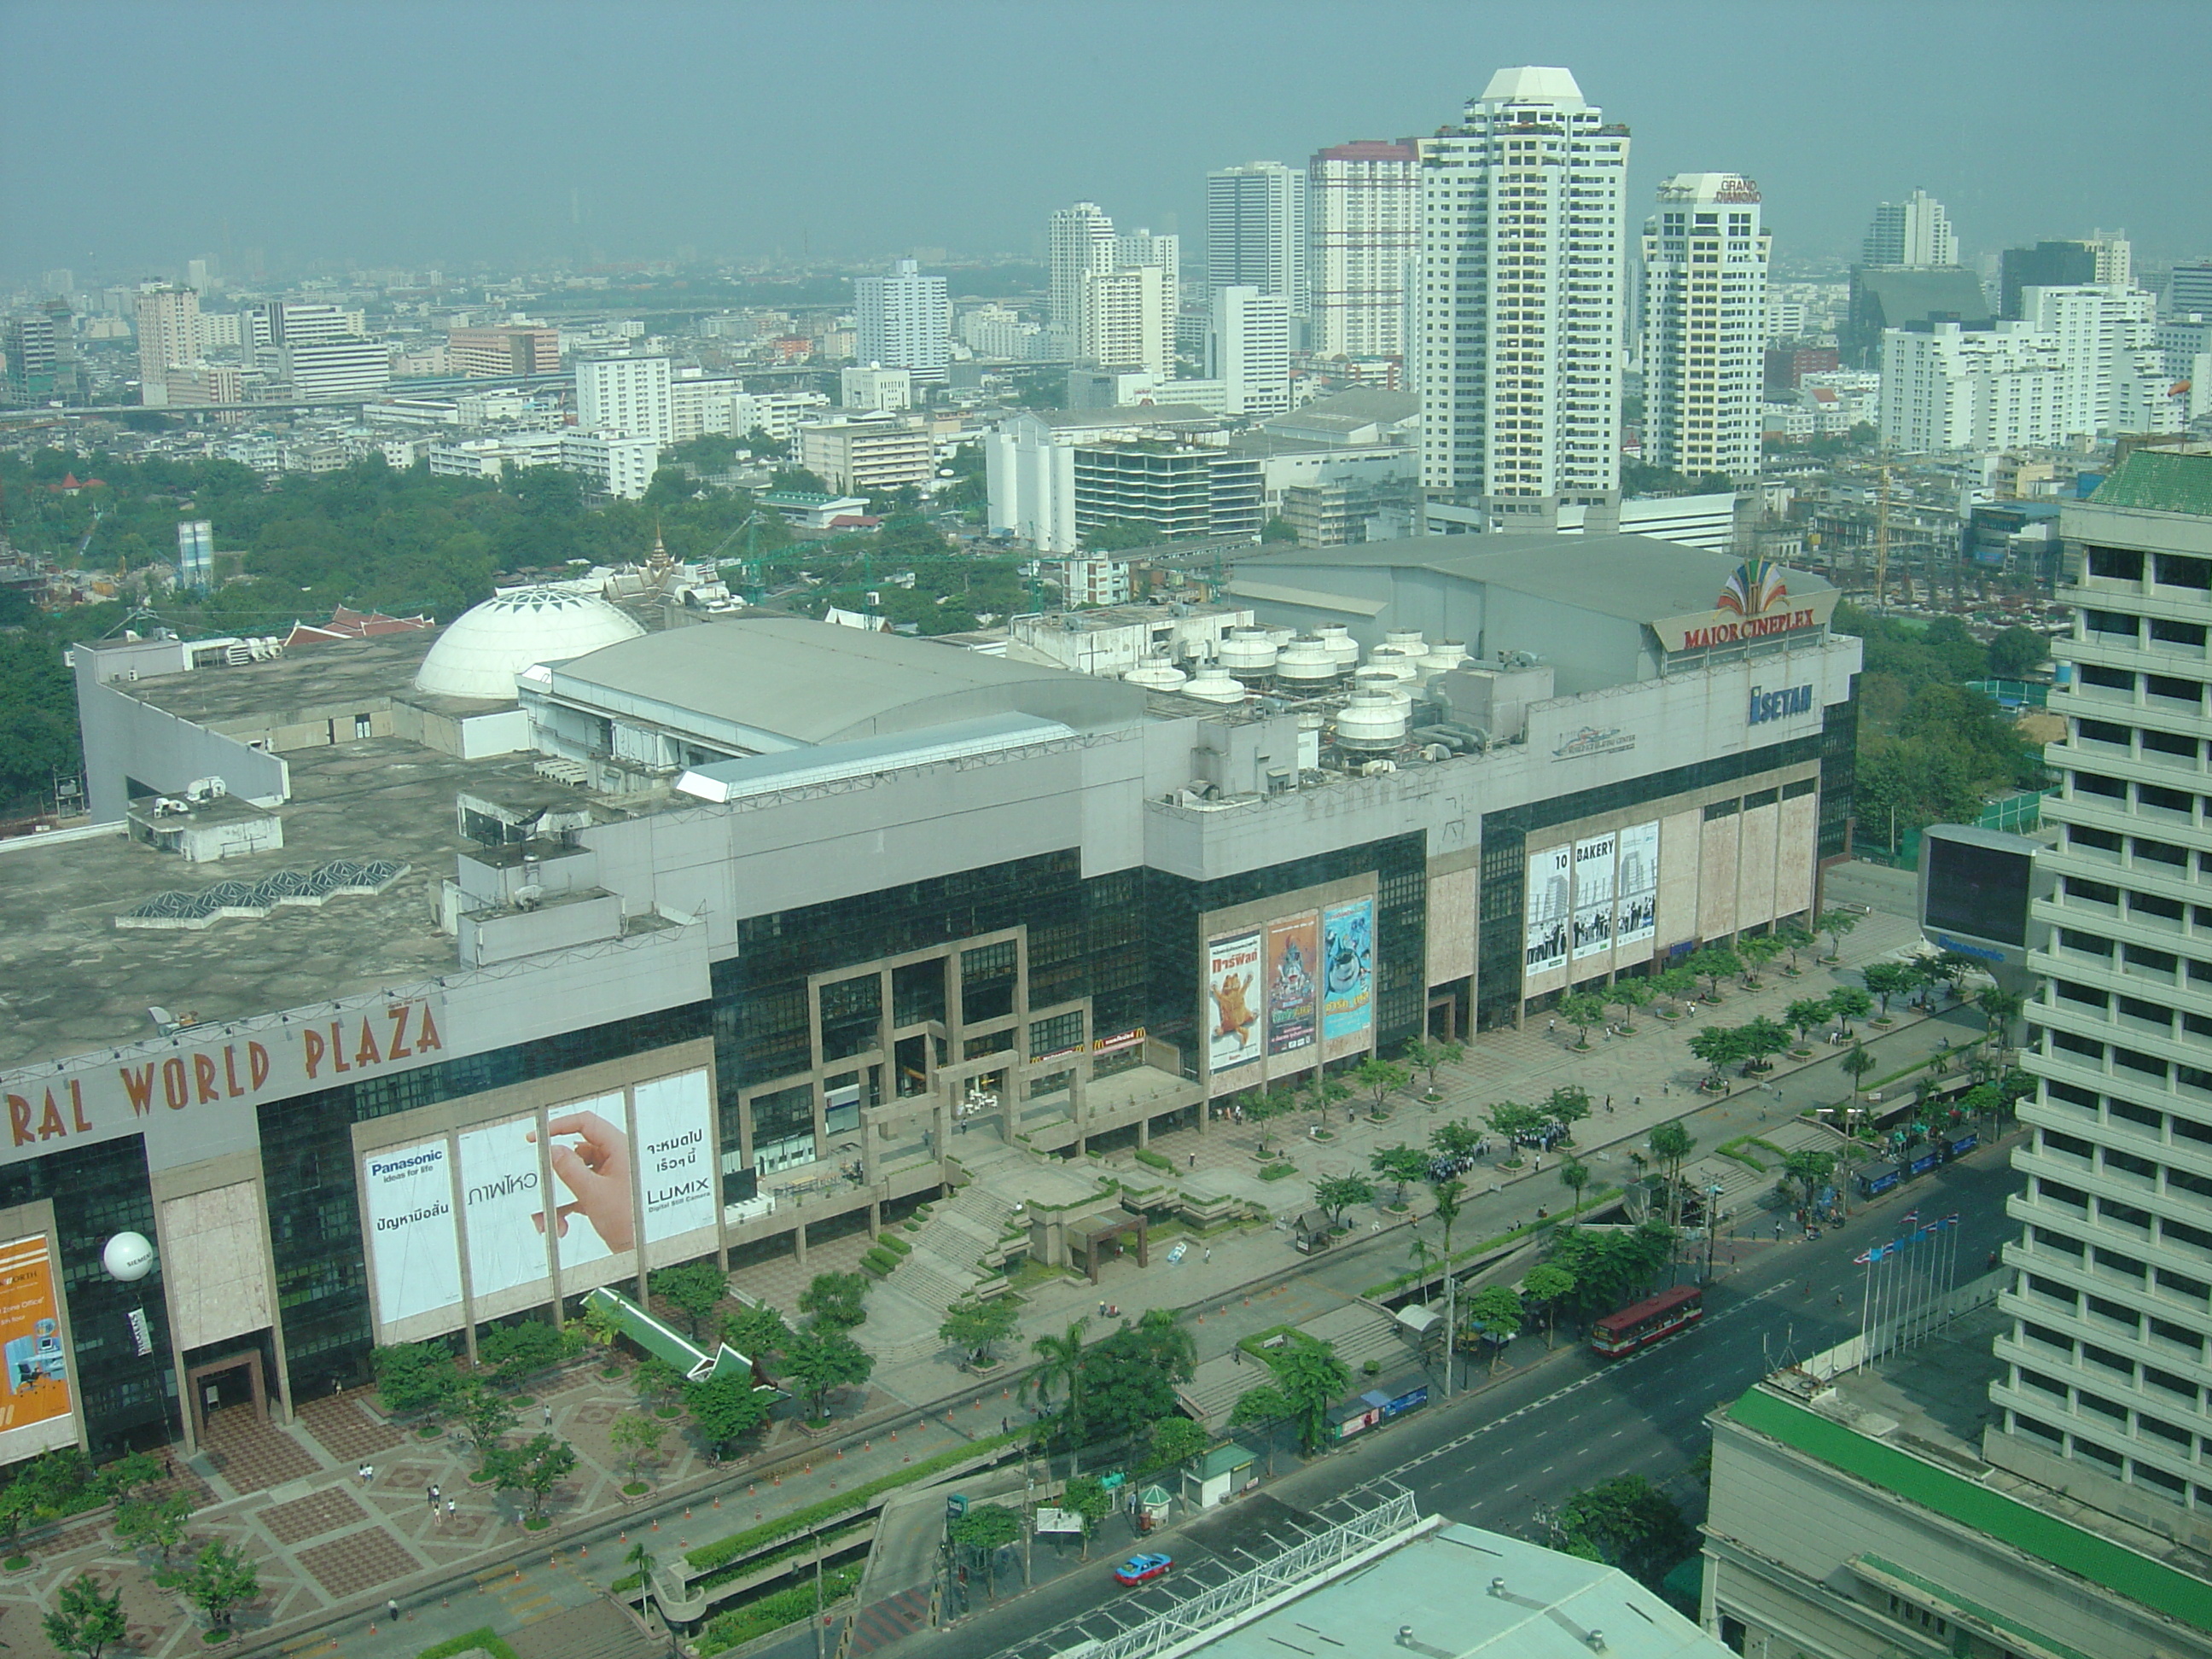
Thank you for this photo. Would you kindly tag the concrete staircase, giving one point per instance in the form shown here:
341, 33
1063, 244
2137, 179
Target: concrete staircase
906, 1309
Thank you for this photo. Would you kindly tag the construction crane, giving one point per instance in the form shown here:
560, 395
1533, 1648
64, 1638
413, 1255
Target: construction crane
749, 570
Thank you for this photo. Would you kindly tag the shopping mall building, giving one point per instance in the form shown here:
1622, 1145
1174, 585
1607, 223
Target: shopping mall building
718, 933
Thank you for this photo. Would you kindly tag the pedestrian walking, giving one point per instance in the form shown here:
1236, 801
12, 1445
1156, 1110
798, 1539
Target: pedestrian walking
430, 1497
366, 1471
1550, 1026
1208, 1256
392, 1609
1194, 1160
1006, 1425
1637, 1101
1608, 1103
548, 1416
451, 1505
435, 1494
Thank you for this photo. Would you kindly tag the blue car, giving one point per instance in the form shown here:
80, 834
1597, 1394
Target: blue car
1142, 1569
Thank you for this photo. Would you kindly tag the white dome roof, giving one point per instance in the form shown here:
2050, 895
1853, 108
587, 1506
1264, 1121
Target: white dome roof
479, 656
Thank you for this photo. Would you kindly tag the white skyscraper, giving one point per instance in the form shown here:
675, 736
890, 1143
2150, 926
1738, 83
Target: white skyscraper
1255, 231
1363, 234
168, 338
1914, 232
625, 397
1248, 350
1082, 242
1161, 250
903, 320
1706, 257
1521, 301
1123, 321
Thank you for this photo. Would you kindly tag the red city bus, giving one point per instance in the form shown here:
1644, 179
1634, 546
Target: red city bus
1648, 1320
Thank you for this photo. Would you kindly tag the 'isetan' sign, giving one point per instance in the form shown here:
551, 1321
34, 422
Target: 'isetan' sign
207, 1092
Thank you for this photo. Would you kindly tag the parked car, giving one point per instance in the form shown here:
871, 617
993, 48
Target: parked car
1142, 1569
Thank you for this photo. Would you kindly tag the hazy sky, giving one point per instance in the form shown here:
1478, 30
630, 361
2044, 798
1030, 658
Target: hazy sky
136, 135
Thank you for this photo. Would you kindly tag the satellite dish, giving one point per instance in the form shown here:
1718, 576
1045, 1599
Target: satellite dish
128, 1257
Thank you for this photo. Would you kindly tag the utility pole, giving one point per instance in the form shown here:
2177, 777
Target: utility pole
1881, 544
818, 1636
1451, 1324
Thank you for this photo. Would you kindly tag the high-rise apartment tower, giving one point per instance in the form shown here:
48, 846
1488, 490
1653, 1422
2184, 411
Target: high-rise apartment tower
1913, 232
903, 320
1363, 234
1255, 231
1705, 256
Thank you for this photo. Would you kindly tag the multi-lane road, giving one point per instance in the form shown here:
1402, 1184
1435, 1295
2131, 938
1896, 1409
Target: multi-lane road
1559, 1422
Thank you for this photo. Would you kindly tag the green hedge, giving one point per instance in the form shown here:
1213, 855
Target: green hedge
1279, 1171
707, 1557
467, 1640
772, 1612
892, 1242
1157, 1160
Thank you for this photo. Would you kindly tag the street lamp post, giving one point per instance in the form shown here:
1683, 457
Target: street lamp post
1712, 1225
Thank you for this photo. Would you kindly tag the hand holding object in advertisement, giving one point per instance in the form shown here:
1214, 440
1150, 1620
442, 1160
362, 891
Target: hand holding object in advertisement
597, 1171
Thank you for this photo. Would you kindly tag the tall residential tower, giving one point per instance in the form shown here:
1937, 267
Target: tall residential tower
1914, 232
1363, 232
1521, 302
903, 320
1255, 231
1706, 258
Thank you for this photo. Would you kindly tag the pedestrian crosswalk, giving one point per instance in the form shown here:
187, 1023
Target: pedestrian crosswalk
883, 1622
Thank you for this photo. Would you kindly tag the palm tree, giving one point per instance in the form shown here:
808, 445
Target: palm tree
1447, 1194
1574, 1175
2000, 1007
1060, 1369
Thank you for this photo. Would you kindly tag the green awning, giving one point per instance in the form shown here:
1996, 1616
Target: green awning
666, 1345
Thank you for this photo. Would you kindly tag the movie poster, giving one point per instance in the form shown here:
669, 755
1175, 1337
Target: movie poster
31, 1336
675, 1120
502, 1206
1233, 1000
1347, 952
414, 1249
594, 1215
1636, 910
1293, 983
1593, 921
1545, 938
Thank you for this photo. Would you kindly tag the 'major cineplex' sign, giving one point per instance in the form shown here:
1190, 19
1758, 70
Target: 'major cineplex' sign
1755, 605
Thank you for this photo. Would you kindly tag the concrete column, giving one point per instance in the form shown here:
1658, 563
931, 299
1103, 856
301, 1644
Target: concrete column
1144, 1131
798, 1242
875, 1218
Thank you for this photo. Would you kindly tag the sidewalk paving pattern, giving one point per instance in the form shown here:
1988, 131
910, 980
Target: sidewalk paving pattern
330, 1548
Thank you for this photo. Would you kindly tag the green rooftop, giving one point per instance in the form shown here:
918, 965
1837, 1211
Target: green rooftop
2160, 481
2068, 1547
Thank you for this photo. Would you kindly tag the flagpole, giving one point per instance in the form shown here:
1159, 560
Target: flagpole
1866, 1292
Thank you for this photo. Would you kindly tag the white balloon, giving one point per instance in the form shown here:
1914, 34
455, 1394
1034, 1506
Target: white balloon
128, 1257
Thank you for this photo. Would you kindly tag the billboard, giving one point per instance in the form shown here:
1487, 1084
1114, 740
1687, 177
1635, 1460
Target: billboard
502, 1206
1347, 953
31, 1336
1233, 982
1593, 921
1293, 983
1635, 876
674, 1118
415, 1254
1545, 939
594, 1212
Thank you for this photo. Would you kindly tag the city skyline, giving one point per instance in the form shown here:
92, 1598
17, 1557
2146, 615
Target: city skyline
310, 109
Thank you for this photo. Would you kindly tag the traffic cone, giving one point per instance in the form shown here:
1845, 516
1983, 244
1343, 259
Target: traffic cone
687, 1511
718, 1500
841, 1451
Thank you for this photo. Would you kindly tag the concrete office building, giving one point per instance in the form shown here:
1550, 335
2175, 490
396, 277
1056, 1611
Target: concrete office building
2189, 289
903, 320
625, 397
1522, 301
1915, 232
1706, 257
168, 338
1363, 237
1255, 231
1180, 492
500, 352
1248, 350
868, 454
615, 465
339, 369
876, 387
742, 890
1163, 252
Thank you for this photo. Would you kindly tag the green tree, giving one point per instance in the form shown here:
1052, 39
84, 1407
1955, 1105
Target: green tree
1261, 1407
1495, 1311
1575, 1175
1312, 1379
1510, 1119
1757, 953
635, 1437
1671, 1144
1447, 1194
1119, 535
694, 1289
127, 1472
1430, 1056
1835, 924
1582, 1010
1337, 1194
1674, 984
1794, 938
484, 1414
1089, 1500
1805, 1014
1761, 1039
2000, 1007
833, 1300
1381, 1078
756, 1331
1629, 1523
1808, 1170
1125, 1384
1325, 1091
159, 1526
1857, 1062
514, 1351
1719, 1047
983, 1531
1846, 1003
1712, 964
2017, 652
536, 1467
820, 1360
1175, 1441
1631, 996
221, 1580
1167, 1344
1545, 1287
414, 1377
1276, 530
657, 1382
85, 1619
1455, 1138
1059, 1370
600, 1329
974, 1325
640, 1562
1884, 980
726, 1409
1401, 1164
1566, 1106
